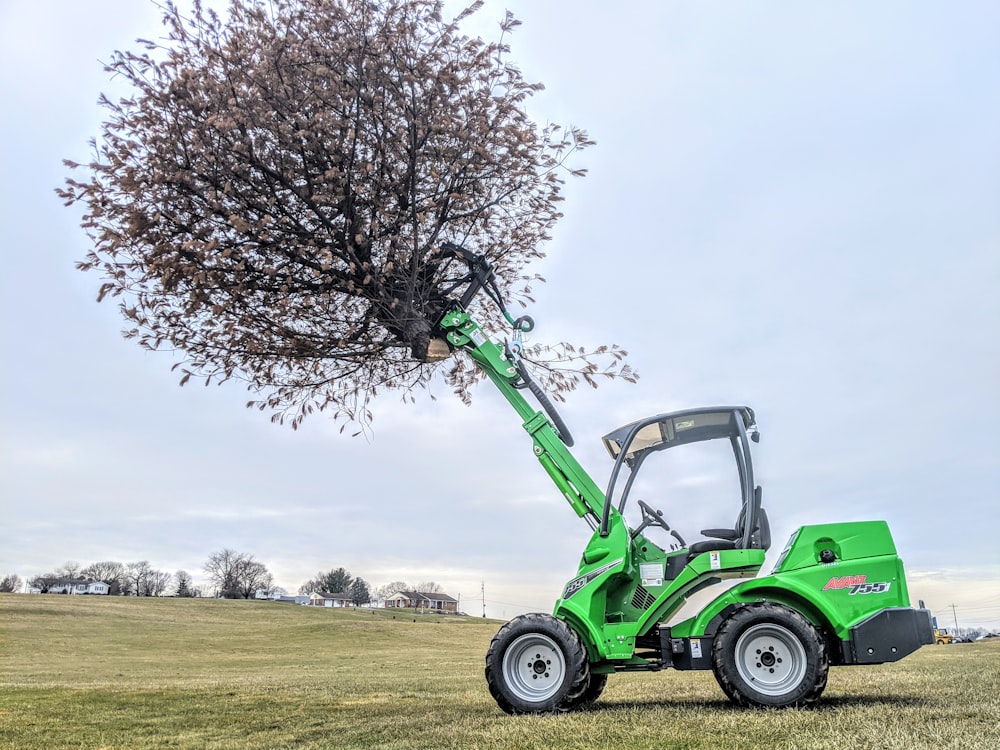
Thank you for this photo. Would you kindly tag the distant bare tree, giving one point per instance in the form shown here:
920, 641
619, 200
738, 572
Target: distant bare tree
272, 197
309, 587
393, 587
236, 575
221, 570
11, 584
386, 590
141, 579
428, 587
45, 581
156, 583
135, 576
69, 569
253, 577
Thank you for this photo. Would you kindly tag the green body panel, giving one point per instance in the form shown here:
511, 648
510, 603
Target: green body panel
848, 541
866, 577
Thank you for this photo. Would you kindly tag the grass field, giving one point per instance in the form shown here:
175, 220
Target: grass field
123, 673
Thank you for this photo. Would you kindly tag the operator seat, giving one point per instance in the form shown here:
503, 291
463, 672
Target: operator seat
721, 539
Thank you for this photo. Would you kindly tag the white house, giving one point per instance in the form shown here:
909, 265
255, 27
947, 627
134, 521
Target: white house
327, 599
79, 586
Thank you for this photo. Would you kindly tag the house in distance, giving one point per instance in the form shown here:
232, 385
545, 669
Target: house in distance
79, 586
422, 600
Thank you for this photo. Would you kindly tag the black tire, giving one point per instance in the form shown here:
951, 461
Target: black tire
770, 656
590, 693
535, 664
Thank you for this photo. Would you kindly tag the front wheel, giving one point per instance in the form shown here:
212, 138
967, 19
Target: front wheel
589, 692
769, 655
537, 664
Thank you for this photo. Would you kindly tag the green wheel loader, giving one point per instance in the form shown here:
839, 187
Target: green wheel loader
837, 594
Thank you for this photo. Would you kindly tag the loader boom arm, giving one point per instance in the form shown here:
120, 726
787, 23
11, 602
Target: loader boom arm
580, 491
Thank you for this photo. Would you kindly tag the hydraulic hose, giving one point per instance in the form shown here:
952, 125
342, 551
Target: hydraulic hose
547, 405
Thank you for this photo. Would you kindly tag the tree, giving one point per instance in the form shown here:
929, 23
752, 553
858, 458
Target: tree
44, 582
394, 587
335, 581
236, 575
110, 572
134, 579
309, 587
359, 592
221, 569
184, 586
253, 576
386, 590
11, 584
141, 579
69, 569
338, 581
156, 583
428, 587
272, 198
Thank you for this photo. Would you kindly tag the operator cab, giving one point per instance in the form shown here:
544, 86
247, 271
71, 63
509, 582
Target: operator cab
633, 443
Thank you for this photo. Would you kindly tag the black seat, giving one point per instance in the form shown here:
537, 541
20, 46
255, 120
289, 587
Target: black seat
710, 545
760, 537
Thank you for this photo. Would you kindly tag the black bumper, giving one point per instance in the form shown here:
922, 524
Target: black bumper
888, 635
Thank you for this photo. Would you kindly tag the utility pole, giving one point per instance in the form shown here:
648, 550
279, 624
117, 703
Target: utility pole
482, 590
955, 615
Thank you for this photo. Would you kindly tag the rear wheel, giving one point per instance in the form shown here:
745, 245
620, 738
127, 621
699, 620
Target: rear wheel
769, 655
537, 664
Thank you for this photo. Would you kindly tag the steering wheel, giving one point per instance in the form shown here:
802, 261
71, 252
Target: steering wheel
652, 517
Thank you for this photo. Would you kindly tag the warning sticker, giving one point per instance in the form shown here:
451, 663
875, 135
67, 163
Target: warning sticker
695, 648
714, 560
651, 574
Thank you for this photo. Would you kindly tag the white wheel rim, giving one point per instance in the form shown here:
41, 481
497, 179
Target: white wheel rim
534, 667
771, 659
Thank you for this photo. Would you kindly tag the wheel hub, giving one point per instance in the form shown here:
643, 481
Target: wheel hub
534, 668
770, 659
539, 666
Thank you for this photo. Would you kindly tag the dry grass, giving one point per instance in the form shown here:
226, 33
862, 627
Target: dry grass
89, 672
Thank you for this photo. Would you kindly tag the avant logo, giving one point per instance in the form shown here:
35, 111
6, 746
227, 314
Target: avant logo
856, 584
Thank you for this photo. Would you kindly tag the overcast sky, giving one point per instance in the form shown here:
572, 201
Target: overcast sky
791, 205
